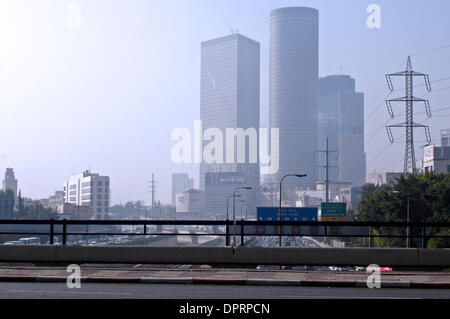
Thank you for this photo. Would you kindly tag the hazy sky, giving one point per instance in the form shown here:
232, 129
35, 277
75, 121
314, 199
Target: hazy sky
108, 94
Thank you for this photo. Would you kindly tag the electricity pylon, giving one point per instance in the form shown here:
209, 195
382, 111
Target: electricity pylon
409, 124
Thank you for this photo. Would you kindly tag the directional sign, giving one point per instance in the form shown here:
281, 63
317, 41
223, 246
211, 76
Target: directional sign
334, 211
288, 213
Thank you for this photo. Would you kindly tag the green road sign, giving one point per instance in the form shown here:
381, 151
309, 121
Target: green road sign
334, 209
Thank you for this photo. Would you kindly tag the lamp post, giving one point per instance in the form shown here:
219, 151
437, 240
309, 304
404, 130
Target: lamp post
228, 201
279, 208
408, 229
234, 212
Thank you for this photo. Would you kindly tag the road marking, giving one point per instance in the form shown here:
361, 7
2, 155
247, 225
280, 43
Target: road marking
69, 292
340, 297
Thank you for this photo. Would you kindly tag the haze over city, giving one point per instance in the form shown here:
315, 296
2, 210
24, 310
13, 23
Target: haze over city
107, 93
226, 158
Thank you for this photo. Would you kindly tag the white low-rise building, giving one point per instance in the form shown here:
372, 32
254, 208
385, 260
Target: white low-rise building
190, 203
89, 189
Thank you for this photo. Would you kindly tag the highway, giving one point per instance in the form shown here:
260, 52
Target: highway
154, 291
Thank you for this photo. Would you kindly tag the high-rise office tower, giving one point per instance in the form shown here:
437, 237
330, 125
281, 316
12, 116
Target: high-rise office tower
329, 88
230, 81
10, 181
341, 119
294, 64
352, 159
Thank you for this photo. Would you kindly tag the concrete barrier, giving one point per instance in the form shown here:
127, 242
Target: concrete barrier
393, 257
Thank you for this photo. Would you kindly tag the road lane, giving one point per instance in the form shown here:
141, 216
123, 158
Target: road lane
155, 291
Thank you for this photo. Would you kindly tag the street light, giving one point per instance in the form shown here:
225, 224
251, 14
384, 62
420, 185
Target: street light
234, 212
228, 201
279, 208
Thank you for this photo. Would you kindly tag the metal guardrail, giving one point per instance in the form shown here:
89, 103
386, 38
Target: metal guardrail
242, 226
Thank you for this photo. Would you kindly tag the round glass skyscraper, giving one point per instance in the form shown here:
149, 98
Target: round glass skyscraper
294, 68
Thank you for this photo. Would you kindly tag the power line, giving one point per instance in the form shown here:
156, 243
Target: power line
431, 50
378, 95
437, 110
436, 81
442, 89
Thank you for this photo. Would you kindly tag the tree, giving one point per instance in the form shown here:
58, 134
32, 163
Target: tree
440, 242
6, 211
368, 189
428, 197
34, 210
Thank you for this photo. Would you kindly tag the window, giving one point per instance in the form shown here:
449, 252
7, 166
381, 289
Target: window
99, 210
73, 186
448, 168
73, 193
99, 183
99, 190
99, 196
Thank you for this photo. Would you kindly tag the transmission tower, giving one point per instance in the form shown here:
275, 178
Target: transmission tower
409, 99
327, 167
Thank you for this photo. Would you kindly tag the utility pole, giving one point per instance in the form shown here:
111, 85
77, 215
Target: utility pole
327, 166
153, 192
409, 124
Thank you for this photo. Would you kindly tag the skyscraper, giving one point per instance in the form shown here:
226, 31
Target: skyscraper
294, 64
10, 181
341, 119
230, 71
329, 88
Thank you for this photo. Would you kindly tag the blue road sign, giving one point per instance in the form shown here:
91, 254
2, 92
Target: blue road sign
288, 213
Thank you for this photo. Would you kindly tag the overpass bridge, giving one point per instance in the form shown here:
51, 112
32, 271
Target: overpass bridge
419, 257
240, 256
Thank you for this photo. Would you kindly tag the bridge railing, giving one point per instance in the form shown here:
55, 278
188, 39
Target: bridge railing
241, 229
